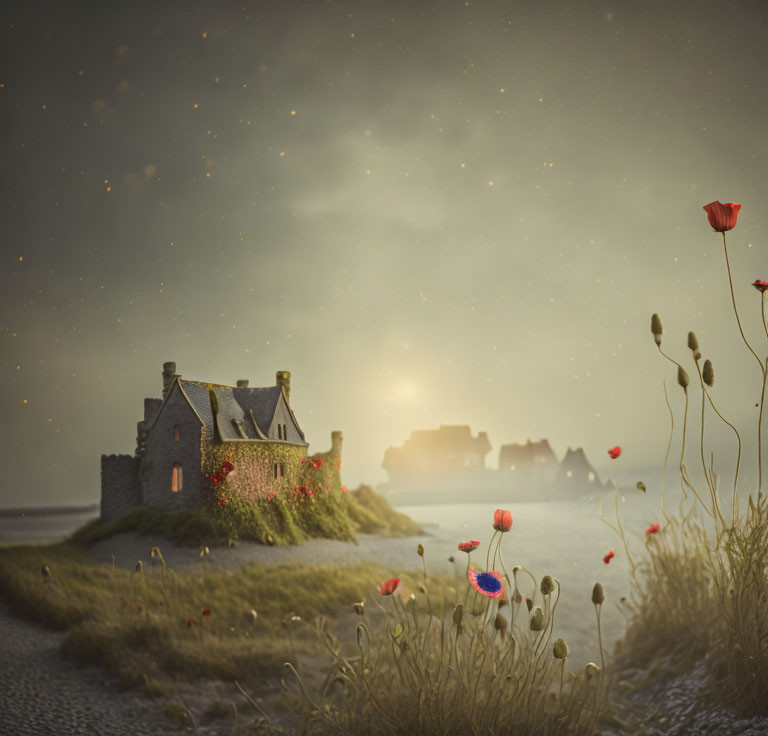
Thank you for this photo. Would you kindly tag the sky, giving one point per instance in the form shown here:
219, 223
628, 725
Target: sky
429, 212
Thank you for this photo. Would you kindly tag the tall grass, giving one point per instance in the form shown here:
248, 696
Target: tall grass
425, 664
702, 588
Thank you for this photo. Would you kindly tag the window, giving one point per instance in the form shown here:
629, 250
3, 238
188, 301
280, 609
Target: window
285, 431
282, 470
279, 431
569, 473
177, 479
591, 477
239, 427
276, 470
511, 467
176, 433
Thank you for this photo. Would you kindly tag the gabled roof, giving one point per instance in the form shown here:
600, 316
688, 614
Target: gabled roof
243, 413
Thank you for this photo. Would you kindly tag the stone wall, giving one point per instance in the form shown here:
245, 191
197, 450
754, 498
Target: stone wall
119, 485
163, 452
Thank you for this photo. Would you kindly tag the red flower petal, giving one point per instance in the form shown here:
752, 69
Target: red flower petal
608, 557
614, 452
502, 520
722, 217
652, 529
389, 587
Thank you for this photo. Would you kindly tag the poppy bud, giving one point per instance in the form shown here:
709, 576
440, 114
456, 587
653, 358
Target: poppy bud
693, 344
359, 608
458, 613
500, 623
253, 615
138, 567
598, 594
451, 559
529, 603
547, 585
708, 373
641, 485
420, 550
560, 649
682, 377
656, 328
591, 670
537, 620
45, 571
422, 589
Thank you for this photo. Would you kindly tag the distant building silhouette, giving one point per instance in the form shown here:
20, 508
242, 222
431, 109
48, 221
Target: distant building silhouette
451, 458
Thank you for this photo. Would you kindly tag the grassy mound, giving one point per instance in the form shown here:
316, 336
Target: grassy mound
284, 519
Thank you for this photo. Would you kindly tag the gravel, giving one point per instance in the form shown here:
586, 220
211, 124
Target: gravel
43, 694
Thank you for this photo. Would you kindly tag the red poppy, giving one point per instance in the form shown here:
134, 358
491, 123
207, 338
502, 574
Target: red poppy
338, 464
389, 587
343, 489
469, 546
271, 495
761, 286
721, 216
190, 623
608, 557
614, 452
652, 529
227, 467
205, 612
303, 459
502, 520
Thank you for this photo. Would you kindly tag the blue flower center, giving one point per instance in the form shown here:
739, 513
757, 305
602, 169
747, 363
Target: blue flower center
489, 583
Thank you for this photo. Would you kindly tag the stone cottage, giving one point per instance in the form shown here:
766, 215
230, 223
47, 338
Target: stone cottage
197, 426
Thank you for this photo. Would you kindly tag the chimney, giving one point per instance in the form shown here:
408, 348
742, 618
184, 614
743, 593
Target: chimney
169, 373
283, 378
242, 383
336, 440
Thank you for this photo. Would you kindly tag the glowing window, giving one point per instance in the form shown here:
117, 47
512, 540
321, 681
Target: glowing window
569, 473
177, 478
511, 467
591, 477
176, 434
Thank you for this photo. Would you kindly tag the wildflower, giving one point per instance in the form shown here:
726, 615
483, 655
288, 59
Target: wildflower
500, 623
487, 583
205, 612
652, 529
469, 546
303, 459
722, 217
343, 489
656, 328
190, 623
547, 585
271, 495
614, 452
608, 557
598, 594
708, 373
502, 520
761, 286
389, 587
537, 620
560, 649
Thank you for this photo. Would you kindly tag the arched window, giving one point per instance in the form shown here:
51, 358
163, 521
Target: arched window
176, 434
177, 479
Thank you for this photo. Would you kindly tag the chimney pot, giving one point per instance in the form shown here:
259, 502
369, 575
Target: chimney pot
169, 373
242, 383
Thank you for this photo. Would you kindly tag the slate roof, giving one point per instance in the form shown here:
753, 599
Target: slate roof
247, 405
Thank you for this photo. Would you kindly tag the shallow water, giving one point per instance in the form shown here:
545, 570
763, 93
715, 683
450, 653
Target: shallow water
42, 528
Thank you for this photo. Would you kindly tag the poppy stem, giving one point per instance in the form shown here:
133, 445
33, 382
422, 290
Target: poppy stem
759, 362
669, 447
